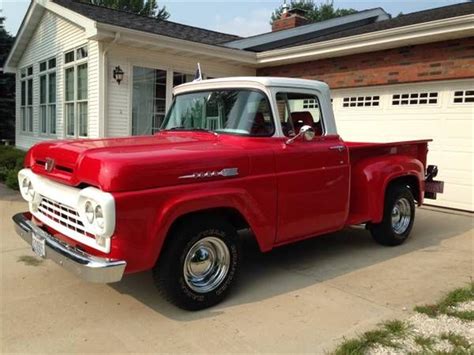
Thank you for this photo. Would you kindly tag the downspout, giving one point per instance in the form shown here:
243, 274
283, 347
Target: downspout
105, 83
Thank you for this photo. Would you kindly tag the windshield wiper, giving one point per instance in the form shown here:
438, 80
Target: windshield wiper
182, 128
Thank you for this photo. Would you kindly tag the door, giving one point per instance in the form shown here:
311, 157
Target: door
312, 176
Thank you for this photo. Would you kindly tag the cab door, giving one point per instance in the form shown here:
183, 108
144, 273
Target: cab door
312, 176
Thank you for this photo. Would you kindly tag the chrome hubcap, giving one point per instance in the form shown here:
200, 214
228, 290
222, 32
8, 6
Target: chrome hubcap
206, 265
401, 215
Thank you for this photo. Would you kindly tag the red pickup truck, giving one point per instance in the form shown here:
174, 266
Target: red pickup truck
237, 153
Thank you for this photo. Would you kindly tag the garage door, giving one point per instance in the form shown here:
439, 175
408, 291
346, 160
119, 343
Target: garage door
442, 111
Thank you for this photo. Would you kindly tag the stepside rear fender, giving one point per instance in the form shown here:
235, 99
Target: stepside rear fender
370, 179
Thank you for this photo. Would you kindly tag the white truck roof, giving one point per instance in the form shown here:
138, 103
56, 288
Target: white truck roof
253, 81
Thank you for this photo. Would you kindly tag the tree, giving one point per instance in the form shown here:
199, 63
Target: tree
141, 7
313, 11
7, 87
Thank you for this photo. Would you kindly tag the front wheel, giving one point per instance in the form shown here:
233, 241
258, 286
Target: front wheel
398, 217
199, 264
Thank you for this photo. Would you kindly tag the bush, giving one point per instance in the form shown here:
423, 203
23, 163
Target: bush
11, 162
12, 179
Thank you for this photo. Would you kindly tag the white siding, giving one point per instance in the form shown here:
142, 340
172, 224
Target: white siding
54, 36
450, 126
119, 100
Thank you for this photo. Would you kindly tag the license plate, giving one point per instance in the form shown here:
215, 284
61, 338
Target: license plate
37, 245
434, 186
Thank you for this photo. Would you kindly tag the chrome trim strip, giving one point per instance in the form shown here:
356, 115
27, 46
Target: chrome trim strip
227, 172
86, 266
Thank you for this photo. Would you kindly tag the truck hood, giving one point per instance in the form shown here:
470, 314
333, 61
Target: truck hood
136, 163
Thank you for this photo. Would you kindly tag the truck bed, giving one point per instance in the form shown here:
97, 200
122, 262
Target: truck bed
363, 150
359, 145
364, 180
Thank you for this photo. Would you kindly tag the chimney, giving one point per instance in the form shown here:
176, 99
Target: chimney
290, 19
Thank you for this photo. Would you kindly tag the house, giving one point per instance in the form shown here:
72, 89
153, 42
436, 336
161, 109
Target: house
88, 71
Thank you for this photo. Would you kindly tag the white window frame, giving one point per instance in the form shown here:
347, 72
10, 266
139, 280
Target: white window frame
47, 105
359, 101
416, 98
462, 97
75, 101
26, 109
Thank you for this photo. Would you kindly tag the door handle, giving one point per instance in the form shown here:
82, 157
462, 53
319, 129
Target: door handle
338, 147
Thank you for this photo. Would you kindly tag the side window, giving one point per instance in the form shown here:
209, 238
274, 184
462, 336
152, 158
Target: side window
297, 110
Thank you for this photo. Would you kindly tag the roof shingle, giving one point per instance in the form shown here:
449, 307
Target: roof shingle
146, 24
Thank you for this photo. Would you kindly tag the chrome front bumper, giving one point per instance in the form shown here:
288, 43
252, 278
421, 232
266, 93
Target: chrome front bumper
87, 267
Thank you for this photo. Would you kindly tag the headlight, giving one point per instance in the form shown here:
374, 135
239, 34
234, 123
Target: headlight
99, 217
27, 189
89, 212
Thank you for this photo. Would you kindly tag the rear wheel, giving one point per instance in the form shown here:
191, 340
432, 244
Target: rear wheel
199, 264
398, 217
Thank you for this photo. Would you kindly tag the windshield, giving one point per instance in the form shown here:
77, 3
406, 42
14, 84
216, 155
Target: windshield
242, 111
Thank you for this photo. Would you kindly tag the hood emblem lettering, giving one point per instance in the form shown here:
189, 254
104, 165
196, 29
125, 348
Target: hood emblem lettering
227, 172
49, 165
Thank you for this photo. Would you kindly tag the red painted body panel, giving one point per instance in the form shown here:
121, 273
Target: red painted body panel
284, 192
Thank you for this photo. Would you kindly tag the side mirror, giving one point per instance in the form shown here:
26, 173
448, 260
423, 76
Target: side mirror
306, 132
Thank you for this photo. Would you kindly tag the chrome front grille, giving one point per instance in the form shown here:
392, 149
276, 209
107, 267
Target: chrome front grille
63, 215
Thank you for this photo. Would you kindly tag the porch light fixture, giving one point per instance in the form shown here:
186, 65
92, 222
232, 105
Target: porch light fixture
118, 74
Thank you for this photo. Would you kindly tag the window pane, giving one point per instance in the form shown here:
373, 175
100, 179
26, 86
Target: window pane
82, 82
43, 89
30, 71
70, 119
70, 84
81, 53
302, 115
52, 119
23, 73
180, 78
43, 66
52, 88
23, 93
43, 125
69, 57
23, 119
52, 63
30, 92
30, 118
149, 93
82, 113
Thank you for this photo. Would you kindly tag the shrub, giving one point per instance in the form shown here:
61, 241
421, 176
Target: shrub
12, 179
11, 162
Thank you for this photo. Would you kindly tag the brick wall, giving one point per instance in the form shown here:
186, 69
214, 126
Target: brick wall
445, 60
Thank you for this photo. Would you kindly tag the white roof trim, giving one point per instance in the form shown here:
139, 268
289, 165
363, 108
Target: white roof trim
32, 18
235, 55
456, 27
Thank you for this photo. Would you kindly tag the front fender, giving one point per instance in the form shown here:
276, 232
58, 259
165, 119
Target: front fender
239, 199
144, 218
371, 177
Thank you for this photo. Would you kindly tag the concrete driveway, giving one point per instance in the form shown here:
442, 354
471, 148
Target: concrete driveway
301, 298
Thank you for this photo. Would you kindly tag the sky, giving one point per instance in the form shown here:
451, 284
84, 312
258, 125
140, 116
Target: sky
244, 17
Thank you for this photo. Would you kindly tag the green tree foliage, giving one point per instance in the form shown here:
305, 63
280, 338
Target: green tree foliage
313, 11
141, 7
7, 87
